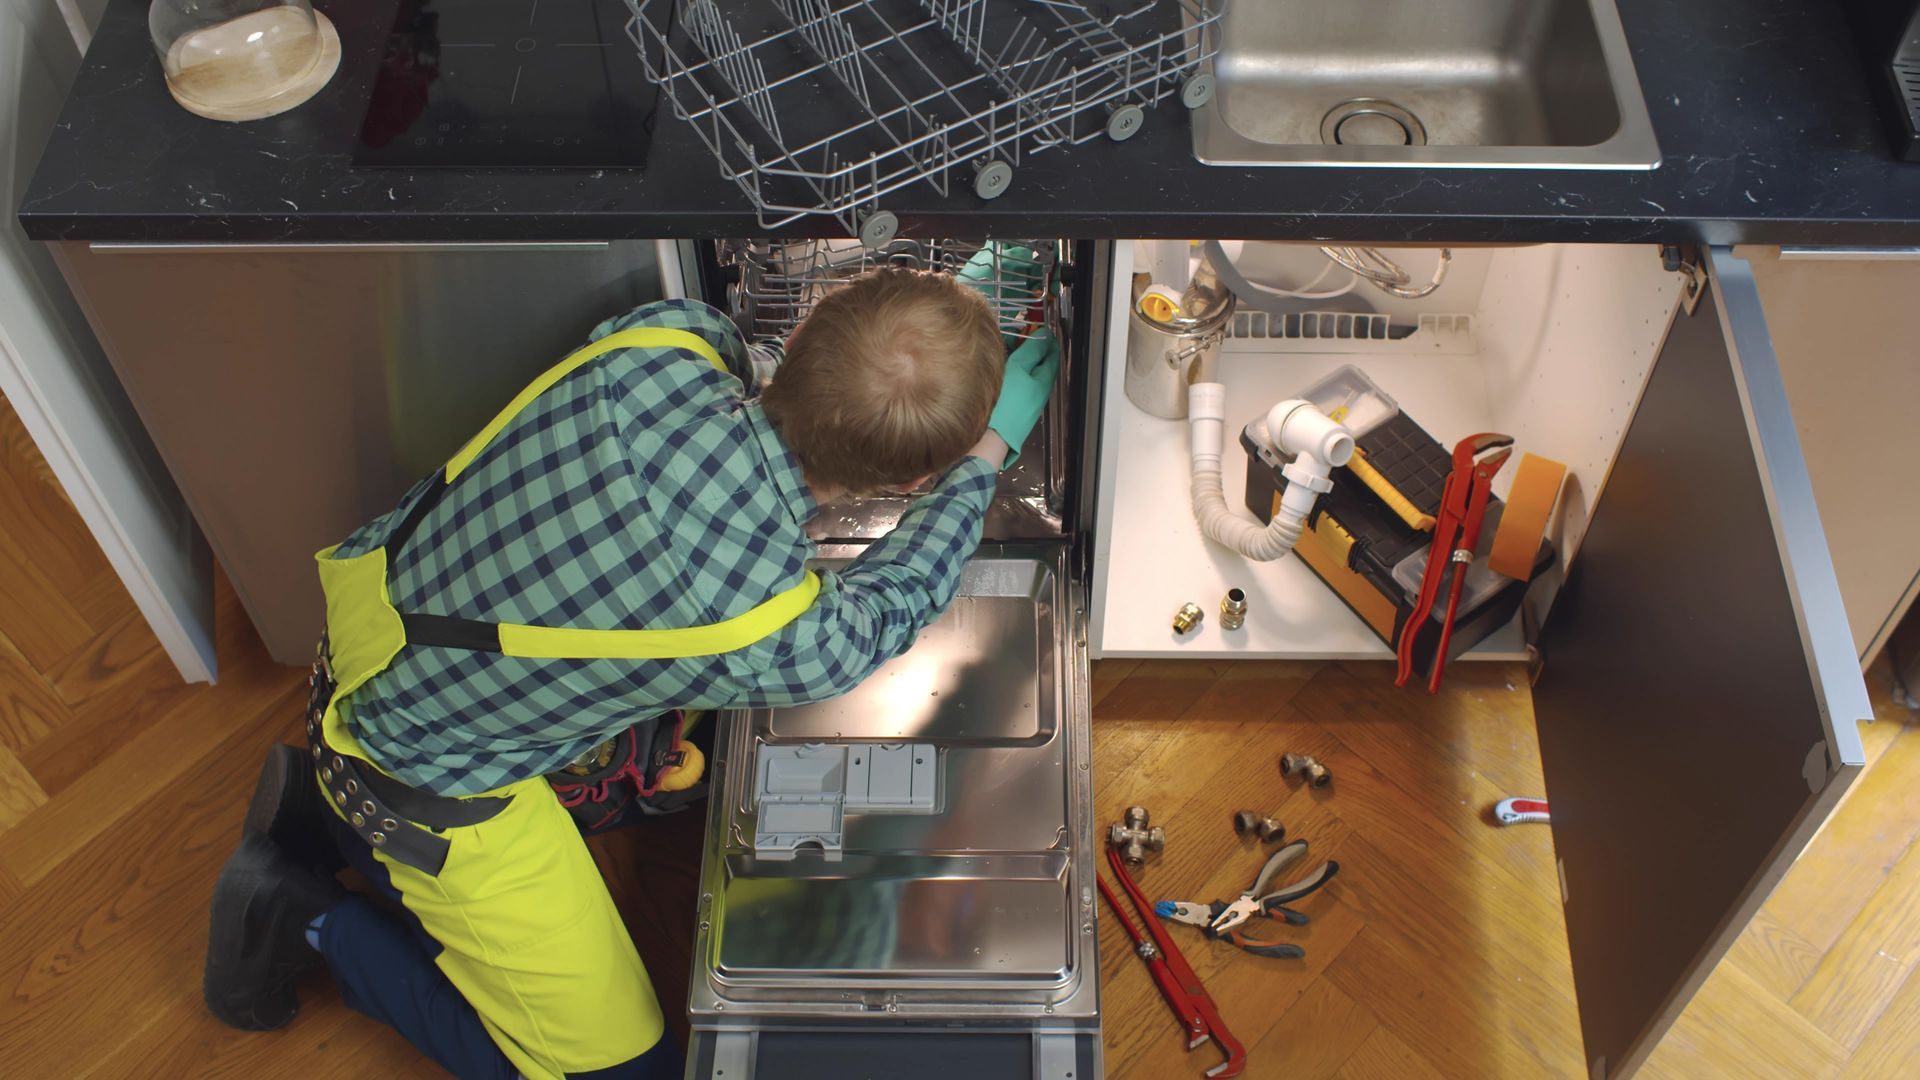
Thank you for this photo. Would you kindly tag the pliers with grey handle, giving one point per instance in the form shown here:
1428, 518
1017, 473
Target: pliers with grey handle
1258, 901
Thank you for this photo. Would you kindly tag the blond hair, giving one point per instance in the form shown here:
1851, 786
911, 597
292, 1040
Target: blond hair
891, 378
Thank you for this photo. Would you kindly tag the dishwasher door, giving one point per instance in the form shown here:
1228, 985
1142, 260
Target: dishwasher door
946, 935
900, 881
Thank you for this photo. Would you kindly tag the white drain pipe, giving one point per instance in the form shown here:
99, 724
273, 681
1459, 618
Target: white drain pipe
1294, 427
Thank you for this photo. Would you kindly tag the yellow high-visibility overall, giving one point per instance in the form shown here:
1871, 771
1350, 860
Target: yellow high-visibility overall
531, 937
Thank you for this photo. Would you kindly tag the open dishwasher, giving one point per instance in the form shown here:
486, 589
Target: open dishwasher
900, 881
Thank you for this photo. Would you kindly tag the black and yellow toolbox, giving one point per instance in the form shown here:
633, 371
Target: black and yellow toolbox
1368, 538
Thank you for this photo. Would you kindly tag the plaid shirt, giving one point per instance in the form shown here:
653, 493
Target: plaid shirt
644, 490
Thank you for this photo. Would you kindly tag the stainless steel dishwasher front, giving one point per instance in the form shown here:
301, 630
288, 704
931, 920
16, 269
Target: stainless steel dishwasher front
295, 391
974, 920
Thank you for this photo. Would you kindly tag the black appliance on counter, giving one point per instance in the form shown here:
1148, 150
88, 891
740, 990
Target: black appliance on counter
509, 84
1889, 35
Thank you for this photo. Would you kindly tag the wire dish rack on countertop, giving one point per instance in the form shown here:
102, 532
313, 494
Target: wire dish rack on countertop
828, 106
776, 283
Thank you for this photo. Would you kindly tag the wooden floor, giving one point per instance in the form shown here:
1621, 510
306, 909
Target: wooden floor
1438, 951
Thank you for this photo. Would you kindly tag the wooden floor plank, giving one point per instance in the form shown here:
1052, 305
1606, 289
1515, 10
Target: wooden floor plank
117, 928
1873, 958
1735, 1028
41, 520
1384, 1057
93, 732
102, 602
1460, 882
1400, 738
35, 614
20, 794
1484, 722
1774, 957
140, 754
1465, 1023
1315, 1038
1892, 1047
1106, 676
1161, 689
327, 1038
30, 707
146, 763
107, 661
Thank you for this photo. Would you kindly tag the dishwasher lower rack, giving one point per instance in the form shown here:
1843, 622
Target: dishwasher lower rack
773, 283
828, 106
967, 916
778, 282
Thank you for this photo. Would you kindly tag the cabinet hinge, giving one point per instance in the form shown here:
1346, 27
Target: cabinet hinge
1686, 259
1536, 662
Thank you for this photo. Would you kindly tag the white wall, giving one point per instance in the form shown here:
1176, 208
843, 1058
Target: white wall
58, 380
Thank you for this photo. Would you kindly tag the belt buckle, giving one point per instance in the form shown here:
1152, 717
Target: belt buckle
323, 665
320, 685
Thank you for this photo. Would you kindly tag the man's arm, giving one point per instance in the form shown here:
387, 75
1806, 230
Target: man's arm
872, 610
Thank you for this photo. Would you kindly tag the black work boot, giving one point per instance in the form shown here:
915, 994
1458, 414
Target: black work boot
288, 809
256, 943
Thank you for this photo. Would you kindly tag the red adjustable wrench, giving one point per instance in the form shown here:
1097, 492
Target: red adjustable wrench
1463, 507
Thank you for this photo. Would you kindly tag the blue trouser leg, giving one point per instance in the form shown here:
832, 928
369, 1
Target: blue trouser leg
384, 966
385, 972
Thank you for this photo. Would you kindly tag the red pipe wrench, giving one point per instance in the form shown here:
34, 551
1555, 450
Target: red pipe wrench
1178, 983
1463, 507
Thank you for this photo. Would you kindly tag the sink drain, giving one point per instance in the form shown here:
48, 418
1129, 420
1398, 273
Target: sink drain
1371, 122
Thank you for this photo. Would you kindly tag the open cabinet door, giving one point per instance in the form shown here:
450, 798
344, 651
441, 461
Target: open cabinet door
1699, 696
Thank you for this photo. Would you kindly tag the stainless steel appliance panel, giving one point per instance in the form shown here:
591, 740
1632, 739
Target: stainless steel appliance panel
977, 675
296, 392
951, 916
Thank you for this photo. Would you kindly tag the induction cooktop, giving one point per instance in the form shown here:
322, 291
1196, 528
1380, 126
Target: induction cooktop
509, 84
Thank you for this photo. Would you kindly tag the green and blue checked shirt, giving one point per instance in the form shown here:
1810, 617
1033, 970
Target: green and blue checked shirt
646, 490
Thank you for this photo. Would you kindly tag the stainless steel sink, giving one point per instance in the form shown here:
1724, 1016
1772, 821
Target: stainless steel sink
1468, 83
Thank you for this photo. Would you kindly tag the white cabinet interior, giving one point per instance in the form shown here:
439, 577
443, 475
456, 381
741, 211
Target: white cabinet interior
1554, 350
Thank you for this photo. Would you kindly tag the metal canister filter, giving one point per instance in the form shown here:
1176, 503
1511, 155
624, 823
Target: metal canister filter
1165, 357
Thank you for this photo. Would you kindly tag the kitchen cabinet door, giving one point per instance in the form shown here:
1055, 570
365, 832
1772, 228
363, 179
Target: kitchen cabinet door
1699, 692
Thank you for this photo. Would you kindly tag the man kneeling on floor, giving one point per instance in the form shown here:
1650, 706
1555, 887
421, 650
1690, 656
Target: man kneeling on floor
624, 542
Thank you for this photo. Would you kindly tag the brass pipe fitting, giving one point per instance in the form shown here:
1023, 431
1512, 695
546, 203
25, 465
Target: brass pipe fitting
1233, 610
1187, 617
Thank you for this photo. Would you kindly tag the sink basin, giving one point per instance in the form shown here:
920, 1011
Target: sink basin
1467, 83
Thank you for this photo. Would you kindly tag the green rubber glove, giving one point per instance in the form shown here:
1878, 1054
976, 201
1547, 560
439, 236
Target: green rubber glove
1031, 371
1019, 266
1016, 284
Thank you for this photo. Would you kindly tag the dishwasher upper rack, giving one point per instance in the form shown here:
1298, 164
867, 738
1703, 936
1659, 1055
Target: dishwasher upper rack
827, 106
777, 282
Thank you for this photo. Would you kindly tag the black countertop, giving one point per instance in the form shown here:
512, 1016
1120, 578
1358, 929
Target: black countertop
1761, 108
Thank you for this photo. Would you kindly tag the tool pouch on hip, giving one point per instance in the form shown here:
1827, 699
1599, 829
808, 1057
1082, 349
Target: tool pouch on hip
648, 770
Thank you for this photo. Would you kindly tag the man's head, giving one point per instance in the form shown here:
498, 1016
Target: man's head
891, 379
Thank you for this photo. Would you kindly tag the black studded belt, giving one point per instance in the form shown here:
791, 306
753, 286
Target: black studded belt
389, 815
